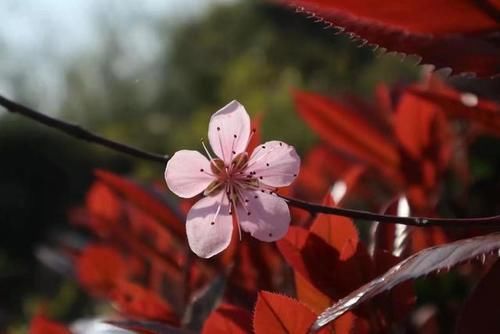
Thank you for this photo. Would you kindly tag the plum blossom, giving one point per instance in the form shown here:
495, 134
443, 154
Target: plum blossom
234, 184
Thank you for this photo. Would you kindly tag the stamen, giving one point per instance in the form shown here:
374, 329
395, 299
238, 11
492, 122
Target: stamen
206, 173
214, 219
220, 144
233, 203
205, 148
250, 138
232, 151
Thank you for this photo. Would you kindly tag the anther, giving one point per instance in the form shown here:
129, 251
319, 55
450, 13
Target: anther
281, 144
218, 129
260, 177
256, 196
263, 146
267, 164
270, 234
294, 175
249, 213
212, 223
235, 136
202, 170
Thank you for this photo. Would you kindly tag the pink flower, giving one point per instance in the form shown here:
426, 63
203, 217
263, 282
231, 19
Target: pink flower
233, 183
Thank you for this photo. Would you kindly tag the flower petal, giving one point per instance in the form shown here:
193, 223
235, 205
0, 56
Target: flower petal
188, 173
275, 163
265, 216
229, 130
209, 225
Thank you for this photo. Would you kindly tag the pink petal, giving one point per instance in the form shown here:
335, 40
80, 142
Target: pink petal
229, 130
265, 216
275, 163
209, 225
188, 173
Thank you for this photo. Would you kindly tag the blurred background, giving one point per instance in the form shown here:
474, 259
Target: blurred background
149, 74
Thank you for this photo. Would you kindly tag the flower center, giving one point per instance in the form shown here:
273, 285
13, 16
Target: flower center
231, 178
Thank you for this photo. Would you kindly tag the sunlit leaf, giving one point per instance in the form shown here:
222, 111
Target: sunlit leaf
100, 268
278, 314
464, 106
145, 200
339, 126
136, 301
458, 34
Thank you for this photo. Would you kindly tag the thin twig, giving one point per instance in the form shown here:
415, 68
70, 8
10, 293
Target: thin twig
77, 131
493, 221
83, 134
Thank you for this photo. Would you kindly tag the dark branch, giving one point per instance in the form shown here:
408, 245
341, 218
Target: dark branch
76, 131
493, 221
83, 134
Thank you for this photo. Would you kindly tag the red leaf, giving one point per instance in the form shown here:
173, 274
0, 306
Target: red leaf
328, 273
319, 168
438, 17
422, 263
300, 250
422, 130
102, 203
146, 201
277, 314
457, 34
100, 268
229, 319
41, 325
136, 301
341, 128
464, 106
338, 232
481, 309
256, 266
311, 296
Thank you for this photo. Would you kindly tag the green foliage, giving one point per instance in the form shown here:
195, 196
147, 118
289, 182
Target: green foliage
253, 52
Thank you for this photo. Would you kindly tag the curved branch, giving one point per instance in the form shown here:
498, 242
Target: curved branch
493, 221
78, 132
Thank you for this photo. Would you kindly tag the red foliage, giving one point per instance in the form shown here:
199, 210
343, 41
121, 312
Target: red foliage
140, 262
138, 302
410, 147
278, 314
100, 269
457, 34
344, 265
229, 319
41, 325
